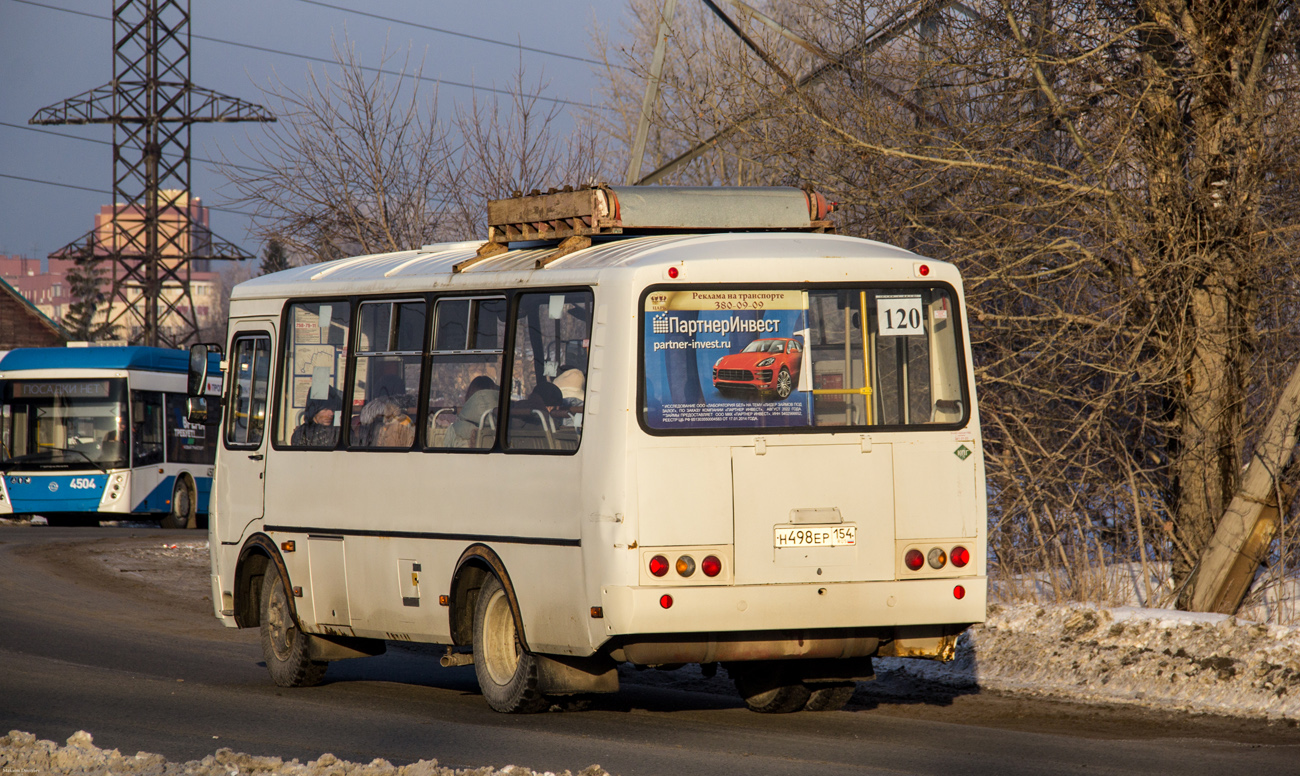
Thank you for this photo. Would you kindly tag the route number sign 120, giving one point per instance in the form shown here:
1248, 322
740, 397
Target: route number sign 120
900, 316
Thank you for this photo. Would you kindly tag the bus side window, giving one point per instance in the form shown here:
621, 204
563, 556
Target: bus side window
465, 372
186, 442
310, 404
548, 379
386, 382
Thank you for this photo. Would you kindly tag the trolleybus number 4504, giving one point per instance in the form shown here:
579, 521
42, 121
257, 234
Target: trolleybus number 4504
816, 536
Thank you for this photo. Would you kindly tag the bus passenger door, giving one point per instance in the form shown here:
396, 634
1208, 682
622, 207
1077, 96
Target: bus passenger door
241, 466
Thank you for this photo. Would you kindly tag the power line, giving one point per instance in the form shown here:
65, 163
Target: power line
107, 143
109, 193
310, 58
417, 25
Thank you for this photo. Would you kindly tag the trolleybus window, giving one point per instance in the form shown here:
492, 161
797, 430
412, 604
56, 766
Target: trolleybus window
186, 442
794, 358
465, 372
315, 357
147, 427
552, 339
385, 394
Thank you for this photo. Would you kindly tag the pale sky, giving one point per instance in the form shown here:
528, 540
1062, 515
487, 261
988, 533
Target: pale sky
48, 55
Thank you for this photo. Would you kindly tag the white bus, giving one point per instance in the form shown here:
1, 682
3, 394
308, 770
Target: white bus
689, 426
95, 433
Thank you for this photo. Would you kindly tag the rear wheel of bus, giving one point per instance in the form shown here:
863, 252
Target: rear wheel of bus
769, 686
284, 645
507, 673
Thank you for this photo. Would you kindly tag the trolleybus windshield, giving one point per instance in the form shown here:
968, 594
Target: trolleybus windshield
63, 424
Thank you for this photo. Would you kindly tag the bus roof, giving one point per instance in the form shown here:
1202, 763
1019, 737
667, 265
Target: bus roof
432, 266
138, 358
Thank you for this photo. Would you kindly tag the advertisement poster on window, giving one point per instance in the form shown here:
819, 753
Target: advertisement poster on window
725, 359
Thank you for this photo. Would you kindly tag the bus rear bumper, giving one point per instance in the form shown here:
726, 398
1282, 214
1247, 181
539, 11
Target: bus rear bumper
886, 605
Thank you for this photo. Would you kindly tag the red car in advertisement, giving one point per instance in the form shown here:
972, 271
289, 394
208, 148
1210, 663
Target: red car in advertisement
764, 367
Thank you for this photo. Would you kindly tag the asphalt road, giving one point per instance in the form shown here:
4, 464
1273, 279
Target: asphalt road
145, 667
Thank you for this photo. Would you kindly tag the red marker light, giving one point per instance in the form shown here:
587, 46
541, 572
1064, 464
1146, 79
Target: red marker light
658, 565
923, 270
959, 592
673, 273
960, 556
711, 566
913, 559
666, 601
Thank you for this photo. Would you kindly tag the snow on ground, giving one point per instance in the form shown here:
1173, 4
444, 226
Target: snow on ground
22, 753
1158, 658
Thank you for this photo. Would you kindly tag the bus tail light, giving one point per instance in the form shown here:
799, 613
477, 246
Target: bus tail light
960, 557
711, 566
914, 559
666, 601
937, 558
959, 592
658, 565
685, 566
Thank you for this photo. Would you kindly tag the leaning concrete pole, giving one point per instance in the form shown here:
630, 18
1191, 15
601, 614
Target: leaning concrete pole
1240, 542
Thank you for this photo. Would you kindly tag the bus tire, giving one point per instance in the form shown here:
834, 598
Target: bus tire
507, 673
829, 696
769, 687
284, 645
784, 383
182, 510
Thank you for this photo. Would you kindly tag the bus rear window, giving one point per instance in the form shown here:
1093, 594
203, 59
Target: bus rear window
738, 359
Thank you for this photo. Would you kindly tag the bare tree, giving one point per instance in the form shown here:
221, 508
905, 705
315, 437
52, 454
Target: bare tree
1115, 182
351, 166
360, 162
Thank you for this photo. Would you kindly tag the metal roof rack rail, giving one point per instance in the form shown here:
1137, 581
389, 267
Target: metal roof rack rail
572, 217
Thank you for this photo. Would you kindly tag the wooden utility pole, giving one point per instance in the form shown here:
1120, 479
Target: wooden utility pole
1227, 566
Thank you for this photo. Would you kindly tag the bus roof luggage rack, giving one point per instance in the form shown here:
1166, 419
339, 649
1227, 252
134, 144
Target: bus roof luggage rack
573, 216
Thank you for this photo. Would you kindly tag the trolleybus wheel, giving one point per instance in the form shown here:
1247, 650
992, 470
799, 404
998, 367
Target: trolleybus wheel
769, 687
284, 645
182, 506
507, 673
830, 696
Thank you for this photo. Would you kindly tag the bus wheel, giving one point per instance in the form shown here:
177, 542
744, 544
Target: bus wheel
182, 506
769, 687
284, 645
784, 383
830, 696
507, 674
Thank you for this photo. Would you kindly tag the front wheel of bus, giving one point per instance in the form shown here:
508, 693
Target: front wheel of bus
284, 645
182, 506
507, 673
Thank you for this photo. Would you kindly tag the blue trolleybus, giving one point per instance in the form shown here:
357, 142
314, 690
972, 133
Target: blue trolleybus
97, 433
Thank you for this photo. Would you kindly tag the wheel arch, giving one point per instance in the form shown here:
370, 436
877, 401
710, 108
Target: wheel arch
256, 557
476, 564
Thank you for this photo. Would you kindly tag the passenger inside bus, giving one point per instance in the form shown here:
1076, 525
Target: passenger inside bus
318, 430
477, 415
389, 425
533, 420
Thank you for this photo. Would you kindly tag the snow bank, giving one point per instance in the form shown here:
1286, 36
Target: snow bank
22, 753
1160, 658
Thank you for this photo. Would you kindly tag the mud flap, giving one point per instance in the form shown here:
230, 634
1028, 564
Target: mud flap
563, 675
343, 647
